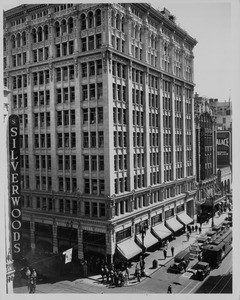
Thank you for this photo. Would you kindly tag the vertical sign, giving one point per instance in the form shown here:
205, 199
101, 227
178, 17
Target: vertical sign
15, 186
223, 148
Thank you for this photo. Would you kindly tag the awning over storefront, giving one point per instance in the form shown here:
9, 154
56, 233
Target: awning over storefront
161, 231
184, 218
173, 224
128, 248
149, 239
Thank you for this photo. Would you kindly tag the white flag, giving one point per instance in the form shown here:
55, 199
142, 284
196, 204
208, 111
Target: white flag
68, 255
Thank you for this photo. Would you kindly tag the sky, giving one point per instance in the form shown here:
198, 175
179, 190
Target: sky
210, 23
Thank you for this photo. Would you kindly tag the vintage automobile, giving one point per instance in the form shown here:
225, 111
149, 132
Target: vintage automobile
202, 270
181, 261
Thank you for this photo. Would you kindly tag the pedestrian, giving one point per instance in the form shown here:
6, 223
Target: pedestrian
102, 273
167, 243
28, 275
33, 281
172, 250
127, 272
196, 228
165, 253
190, 230
188, 236
200, 229
169, 291
199, 257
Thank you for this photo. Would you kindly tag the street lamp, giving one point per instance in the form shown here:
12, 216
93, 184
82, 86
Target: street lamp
212, 211
143, 231
70, 226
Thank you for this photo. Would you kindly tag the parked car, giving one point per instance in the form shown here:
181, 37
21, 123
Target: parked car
202, 270
181, 261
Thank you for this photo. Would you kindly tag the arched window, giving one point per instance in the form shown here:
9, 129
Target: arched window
118, 22
4, 44
64, 26
46, 32
57, 29
113, 19
83, 21
90, 20
18, 40
70, 25
141, 35
122, 23
24, 38
34, 35
39, 34
98, 17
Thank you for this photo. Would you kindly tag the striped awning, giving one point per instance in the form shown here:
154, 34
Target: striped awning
128, 248
173, 224
161, 231
184, 218
149, 239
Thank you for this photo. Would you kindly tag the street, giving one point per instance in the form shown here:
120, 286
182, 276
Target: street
219, 281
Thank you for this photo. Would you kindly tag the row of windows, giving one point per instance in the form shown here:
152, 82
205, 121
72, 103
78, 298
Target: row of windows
93, 163
120, 162
93, 139
94, 209
43, 162
67, 162
66, 117
120, 139
91, 68
94, 186
92, 91
93, 115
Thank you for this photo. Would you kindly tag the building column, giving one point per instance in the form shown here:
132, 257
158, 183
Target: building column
172, 95
55, 241
110, 243
80, 241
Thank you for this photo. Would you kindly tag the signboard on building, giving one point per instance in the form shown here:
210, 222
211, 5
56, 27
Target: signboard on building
223, 148
15, 186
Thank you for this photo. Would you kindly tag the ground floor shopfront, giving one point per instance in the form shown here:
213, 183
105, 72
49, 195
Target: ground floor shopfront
120, 238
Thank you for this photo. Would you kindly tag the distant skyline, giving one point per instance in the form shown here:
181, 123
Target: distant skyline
210, 23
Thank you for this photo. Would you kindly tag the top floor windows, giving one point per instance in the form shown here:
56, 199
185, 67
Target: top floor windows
40, 34
64, 27
92, 19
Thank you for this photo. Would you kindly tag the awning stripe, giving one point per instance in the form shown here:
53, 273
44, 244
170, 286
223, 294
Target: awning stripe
184, 218
129, 248
149, 239
161, 231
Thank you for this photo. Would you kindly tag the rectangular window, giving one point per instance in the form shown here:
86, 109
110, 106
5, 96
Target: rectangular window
91, 42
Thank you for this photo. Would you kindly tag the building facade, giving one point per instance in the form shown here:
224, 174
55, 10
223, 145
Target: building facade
209, 197
104, 93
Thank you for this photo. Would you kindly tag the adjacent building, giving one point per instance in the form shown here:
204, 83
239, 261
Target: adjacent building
104, 93
209, 196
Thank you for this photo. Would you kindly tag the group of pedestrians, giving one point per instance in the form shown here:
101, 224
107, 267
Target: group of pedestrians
115, 276
31, 280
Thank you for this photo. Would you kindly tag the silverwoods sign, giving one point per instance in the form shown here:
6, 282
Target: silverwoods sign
15, 185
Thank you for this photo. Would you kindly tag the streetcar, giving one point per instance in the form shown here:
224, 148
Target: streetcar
218, 248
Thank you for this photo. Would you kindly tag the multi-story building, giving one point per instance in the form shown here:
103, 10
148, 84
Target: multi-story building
223, 114
104, 93
209, 199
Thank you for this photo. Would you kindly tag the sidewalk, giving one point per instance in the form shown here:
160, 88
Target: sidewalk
179, 244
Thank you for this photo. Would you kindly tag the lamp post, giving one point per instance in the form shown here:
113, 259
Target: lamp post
212, 198
143, 230
70, 226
